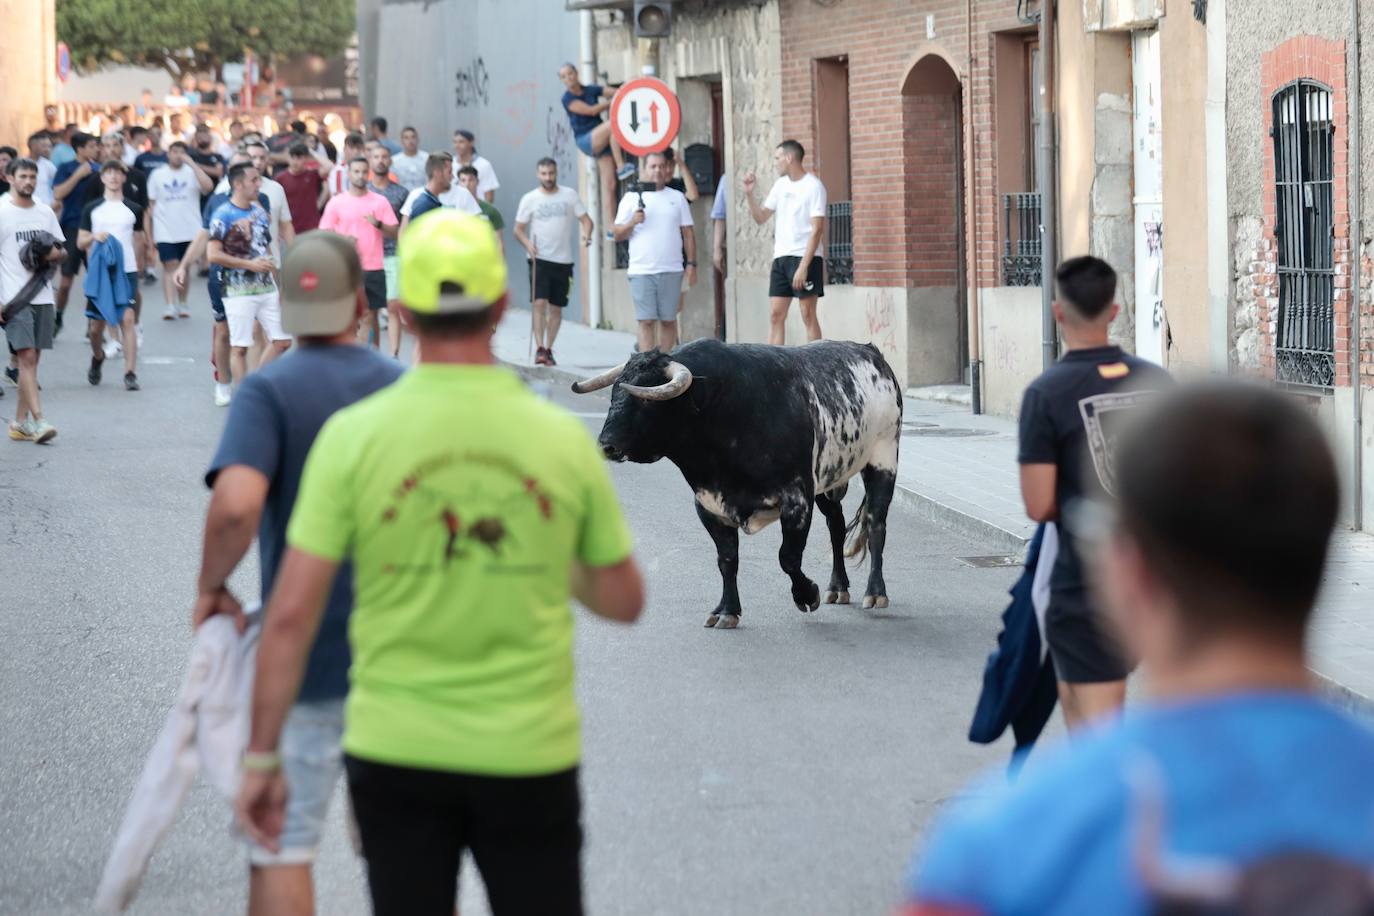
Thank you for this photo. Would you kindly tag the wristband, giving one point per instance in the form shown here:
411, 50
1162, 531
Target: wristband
690, 263
261, 761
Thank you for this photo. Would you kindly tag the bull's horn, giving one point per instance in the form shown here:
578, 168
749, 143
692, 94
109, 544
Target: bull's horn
679, 380
598, 381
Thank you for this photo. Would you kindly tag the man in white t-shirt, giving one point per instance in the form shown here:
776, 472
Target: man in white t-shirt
798, 200
113, 216
29, 330
40, 148
355, 145
174, 198
658, 224
543, 225
409, 164
465, 153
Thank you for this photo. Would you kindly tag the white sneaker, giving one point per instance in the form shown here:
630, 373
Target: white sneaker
170, 314
183, 312
223, 394
139, 329
112, 348
381, 319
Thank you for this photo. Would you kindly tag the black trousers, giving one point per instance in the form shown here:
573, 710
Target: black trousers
525, 834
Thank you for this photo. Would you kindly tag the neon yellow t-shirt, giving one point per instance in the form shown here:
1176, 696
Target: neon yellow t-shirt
463, 500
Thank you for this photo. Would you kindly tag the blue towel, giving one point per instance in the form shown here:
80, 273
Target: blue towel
107, 285
1018, 683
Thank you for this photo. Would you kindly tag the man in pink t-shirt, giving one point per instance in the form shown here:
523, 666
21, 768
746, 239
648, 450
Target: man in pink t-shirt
366, 217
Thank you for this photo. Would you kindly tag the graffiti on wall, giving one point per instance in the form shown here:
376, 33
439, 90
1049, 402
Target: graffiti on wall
516, 123
560, 138
881, 313
472, 84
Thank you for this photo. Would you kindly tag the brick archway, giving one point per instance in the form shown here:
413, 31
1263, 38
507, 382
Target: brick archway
932, 199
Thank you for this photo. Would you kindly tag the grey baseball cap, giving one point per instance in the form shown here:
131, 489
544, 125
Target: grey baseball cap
320, 279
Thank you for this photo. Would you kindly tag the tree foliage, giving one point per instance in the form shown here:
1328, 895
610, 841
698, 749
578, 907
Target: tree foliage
183, 36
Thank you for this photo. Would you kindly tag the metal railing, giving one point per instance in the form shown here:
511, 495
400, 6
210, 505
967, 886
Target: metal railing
839, 243
1021, 241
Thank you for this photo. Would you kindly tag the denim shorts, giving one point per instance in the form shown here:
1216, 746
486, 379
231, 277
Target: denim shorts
584, 143
312, 760
656, 296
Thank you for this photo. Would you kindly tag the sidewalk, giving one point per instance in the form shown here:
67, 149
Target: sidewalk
960, 471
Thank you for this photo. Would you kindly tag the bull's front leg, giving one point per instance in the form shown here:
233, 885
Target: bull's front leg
796, 524
726, 538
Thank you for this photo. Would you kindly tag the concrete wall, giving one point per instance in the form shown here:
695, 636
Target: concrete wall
437, 66
1011, 357
738, 46
1183, 73
28, 49
1093, 70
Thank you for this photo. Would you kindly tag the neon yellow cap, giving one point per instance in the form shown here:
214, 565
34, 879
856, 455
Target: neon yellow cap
447, 248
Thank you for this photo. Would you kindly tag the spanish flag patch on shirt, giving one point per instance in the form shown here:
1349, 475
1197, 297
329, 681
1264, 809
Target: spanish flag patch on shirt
1113, 370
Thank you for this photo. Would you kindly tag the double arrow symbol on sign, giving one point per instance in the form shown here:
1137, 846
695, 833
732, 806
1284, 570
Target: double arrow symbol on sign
653, 116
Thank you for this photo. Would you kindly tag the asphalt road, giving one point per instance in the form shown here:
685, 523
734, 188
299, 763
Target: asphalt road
789, 766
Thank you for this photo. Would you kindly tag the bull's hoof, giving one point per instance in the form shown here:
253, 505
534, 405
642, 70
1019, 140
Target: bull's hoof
875, 601
837, 597
712, 620
728, 622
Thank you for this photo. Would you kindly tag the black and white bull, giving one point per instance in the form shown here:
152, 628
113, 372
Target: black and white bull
763, 434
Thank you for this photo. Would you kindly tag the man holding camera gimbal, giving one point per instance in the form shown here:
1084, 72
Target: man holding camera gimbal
658, 222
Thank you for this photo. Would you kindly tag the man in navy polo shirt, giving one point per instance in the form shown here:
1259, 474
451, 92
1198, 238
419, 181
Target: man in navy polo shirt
584, 105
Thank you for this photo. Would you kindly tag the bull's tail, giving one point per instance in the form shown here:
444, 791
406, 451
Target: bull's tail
857, 530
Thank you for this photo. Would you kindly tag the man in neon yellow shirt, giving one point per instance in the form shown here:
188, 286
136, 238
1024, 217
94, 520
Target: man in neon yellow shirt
471, 510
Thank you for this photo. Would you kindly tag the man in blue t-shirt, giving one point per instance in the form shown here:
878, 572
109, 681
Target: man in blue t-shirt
1233, 780
584, 105
255, 475
71, 187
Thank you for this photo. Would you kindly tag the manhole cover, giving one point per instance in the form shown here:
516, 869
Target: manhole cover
996, 562
946, 432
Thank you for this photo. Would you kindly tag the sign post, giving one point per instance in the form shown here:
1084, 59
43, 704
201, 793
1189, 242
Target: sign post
64, 61
645, 116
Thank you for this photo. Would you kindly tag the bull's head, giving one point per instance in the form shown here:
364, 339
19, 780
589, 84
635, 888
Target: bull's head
639, 426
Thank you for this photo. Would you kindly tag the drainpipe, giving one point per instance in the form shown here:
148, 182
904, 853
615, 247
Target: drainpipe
1356, 244
587, 35
975, 336
1049, 214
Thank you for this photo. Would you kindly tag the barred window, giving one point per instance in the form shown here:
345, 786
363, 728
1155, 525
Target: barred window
1305, 351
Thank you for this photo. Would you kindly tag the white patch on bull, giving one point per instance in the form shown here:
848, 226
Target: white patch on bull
714, 503
761, 520
847, 439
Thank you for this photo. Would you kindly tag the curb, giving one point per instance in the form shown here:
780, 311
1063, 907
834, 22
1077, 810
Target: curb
932, 510
552, 376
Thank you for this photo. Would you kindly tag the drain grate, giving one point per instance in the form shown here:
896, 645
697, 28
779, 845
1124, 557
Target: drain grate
996, 562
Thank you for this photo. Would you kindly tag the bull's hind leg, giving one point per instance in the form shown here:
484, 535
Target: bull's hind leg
878, 486
726, 614
796, 525
831, 508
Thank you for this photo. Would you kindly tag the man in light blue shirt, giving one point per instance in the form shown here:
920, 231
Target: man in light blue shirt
1233, 781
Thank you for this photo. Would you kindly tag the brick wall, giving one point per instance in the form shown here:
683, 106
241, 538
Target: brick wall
901, 237
1323, 60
